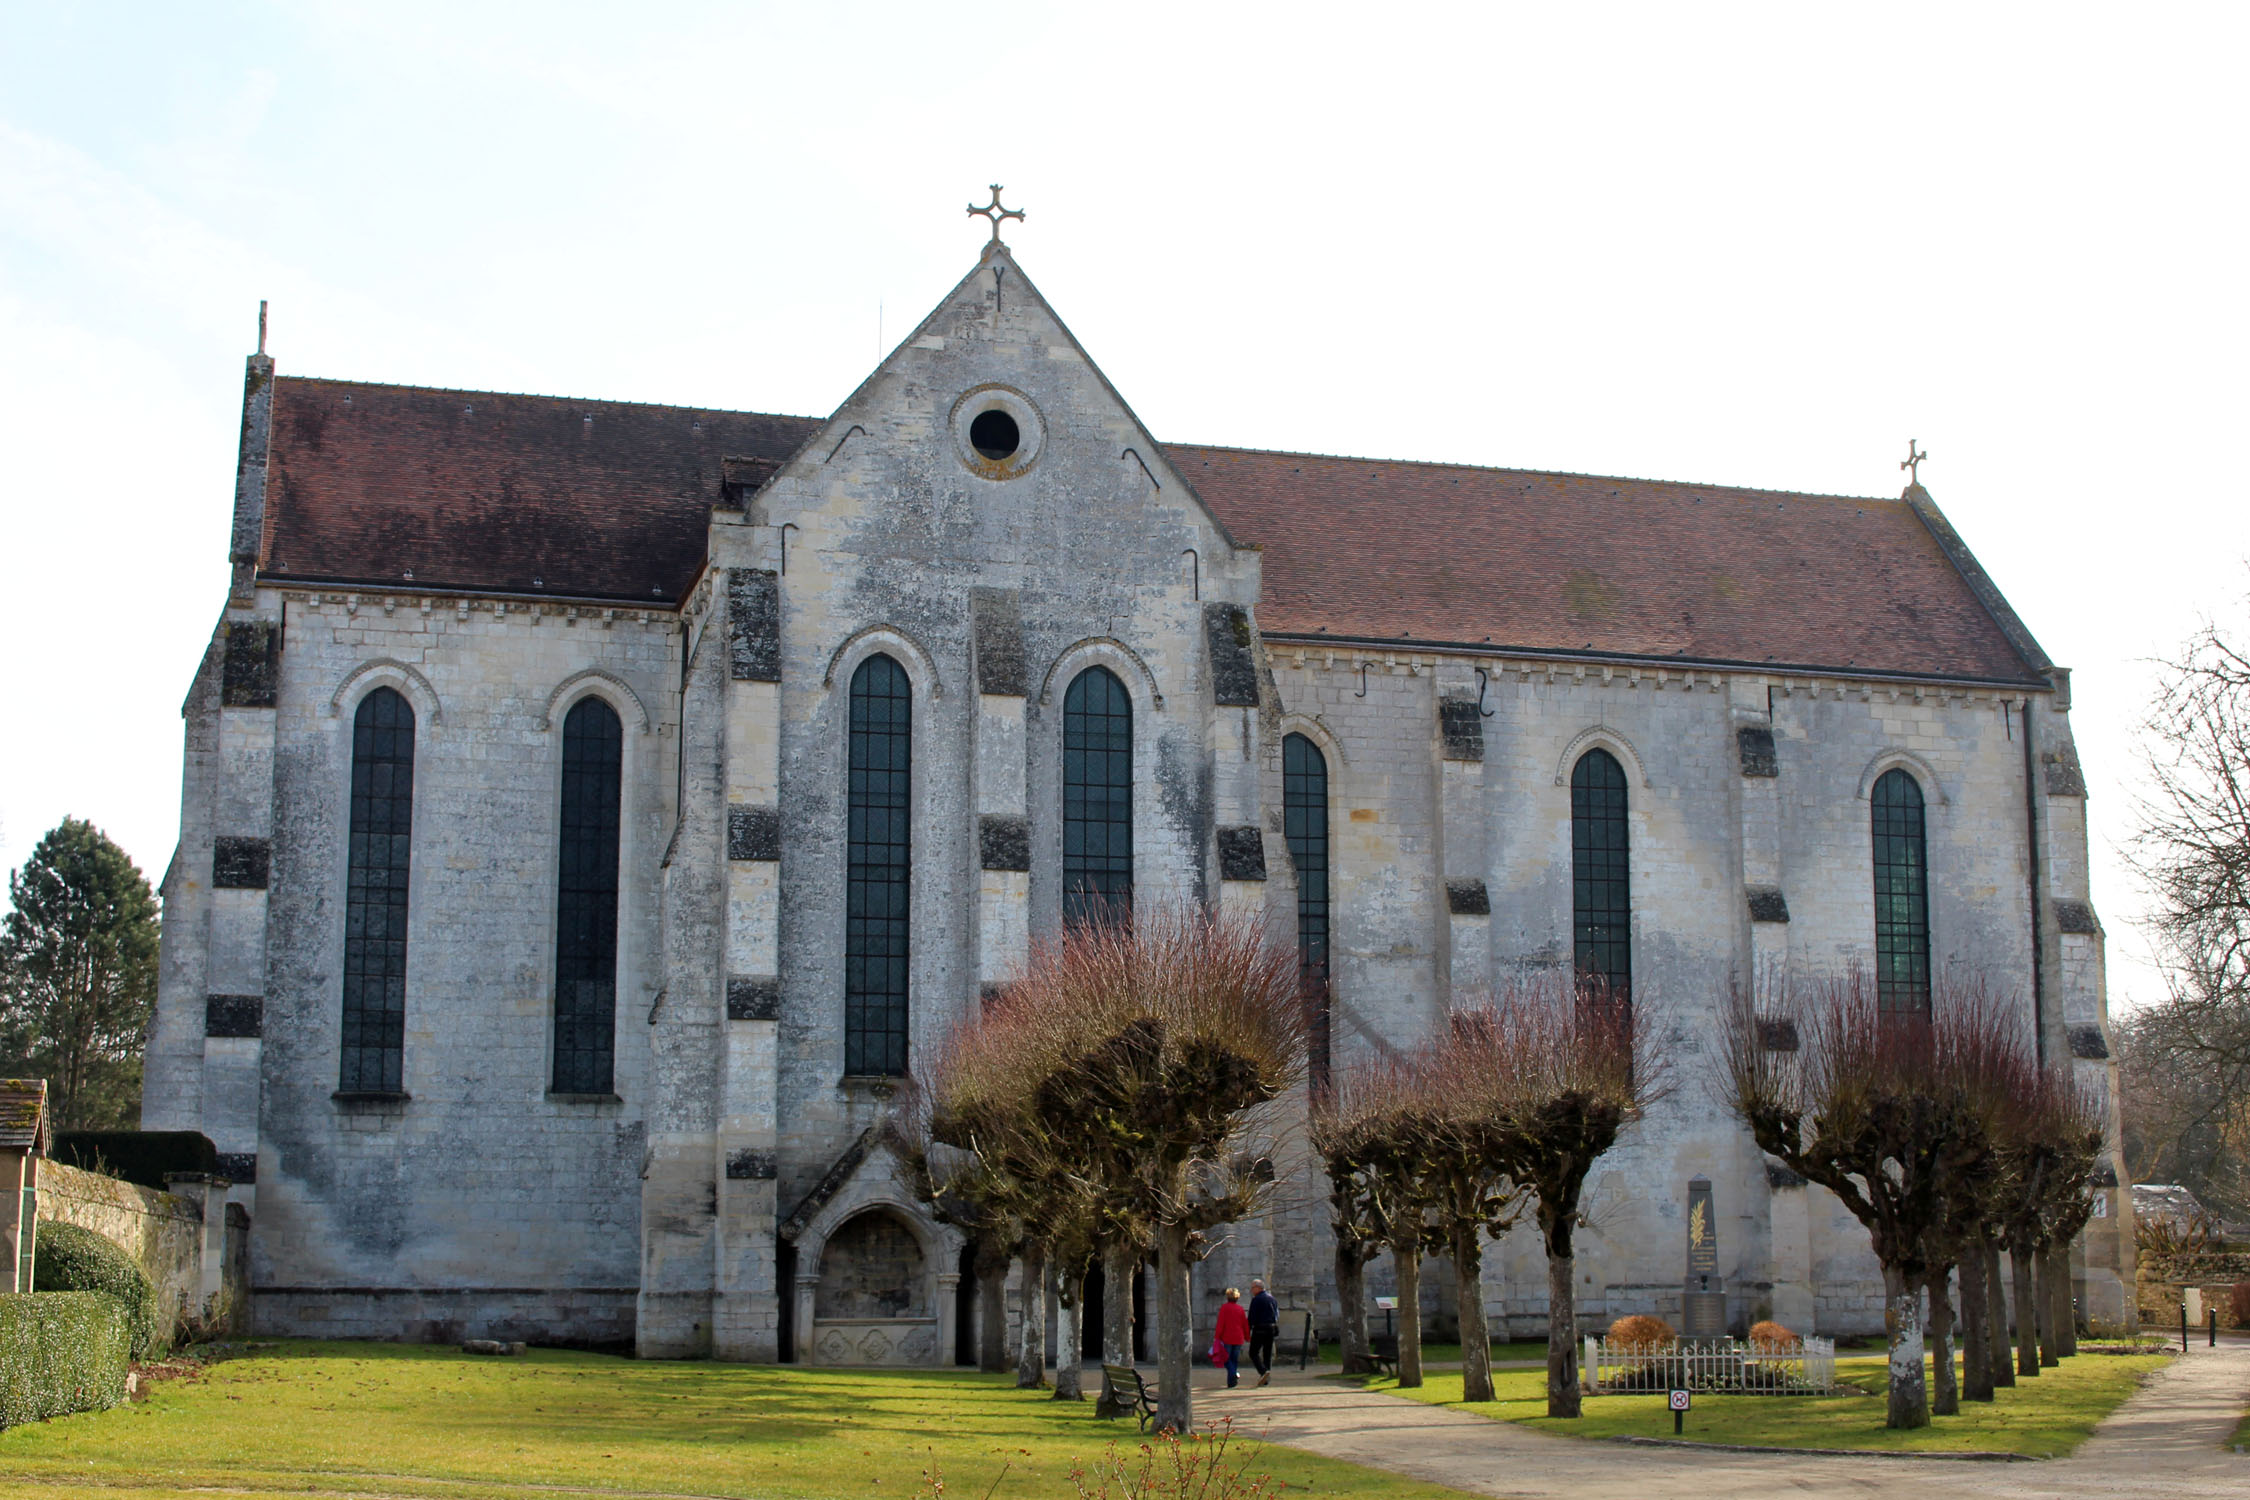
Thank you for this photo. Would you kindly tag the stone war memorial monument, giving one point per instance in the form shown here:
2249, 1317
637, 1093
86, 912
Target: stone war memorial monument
592, 810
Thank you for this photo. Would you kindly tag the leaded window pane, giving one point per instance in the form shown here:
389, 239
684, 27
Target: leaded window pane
586, 901
876, 878
1097, 799
382, 818
1304, 821
1601, 883
1902, 897
1304, 814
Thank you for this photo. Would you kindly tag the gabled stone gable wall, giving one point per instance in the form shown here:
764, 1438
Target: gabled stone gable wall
882, 536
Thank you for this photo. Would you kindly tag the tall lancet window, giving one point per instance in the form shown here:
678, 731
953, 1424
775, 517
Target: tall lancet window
1902, 897
382, 835
1304, 822
1601, 875
586, 901
879, 845
1097, 799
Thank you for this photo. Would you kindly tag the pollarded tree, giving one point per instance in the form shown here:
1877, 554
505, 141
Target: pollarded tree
1339, 1134
1378, 1119
1863, 1108
1469, 1140
962, 1165
1136, 1059
1566, 1074
78, 976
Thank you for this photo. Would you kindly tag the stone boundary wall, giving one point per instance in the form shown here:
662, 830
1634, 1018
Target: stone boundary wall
161, 1231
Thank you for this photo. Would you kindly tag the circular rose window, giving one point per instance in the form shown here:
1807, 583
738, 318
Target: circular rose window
997, 431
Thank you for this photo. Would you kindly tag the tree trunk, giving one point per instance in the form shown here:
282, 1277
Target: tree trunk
2027, 1308
2003, 1368
1408, 1261
1476, 1337
1120, 1263
1910, 1393
2054, 1264
1175, 1397
1945, 1392
1070, 1307
1976, 1325
992, 1313
1563, 1399
2043, 1302
1031, 1355
1351, 1292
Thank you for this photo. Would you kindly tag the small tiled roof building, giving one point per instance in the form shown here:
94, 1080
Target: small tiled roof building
591, 809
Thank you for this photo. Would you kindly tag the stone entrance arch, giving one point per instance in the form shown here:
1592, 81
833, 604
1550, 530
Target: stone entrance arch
876, 1277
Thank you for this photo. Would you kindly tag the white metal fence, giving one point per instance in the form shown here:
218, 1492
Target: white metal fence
1717, 1365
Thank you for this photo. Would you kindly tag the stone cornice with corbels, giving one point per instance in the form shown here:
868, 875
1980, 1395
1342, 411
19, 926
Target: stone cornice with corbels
1297, 655
501, 608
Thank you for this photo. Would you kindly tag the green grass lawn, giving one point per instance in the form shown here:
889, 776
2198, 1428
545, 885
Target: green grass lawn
411, 1421
2042, 1418
2241, 1438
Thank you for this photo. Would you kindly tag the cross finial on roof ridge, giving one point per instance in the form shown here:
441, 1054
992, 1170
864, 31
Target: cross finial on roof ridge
994, 212
1912, 463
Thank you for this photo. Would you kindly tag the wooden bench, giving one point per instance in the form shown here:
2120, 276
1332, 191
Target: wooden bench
1382, 1348
1130, 1388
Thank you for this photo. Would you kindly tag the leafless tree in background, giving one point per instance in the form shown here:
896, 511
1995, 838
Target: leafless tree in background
2186, 1061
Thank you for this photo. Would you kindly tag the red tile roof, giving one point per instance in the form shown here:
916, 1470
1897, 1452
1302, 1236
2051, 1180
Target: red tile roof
1368, 549
368, 484
397, 486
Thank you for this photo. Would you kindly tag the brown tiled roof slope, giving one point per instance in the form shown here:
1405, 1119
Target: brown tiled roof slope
1362, 548
609, 500
469, 490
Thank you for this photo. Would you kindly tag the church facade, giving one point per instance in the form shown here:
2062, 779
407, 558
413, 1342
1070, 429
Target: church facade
591, 810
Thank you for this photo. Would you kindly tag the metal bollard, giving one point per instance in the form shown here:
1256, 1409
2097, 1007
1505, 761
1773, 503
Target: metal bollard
2214, 1328
2183, 1327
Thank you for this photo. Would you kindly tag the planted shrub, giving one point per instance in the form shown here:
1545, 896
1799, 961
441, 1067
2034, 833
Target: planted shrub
72, 1259
60, 1352
1641, 1334
1769, 1337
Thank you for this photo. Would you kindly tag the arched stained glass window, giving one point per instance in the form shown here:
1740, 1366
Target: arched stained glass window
382, 833
1902, 897
1600, 870
586, 901
1097, 799
879, 847
1304, 821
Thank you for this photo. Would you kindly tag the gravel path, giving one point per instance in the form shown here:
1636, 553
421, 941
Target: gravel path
2165, 1441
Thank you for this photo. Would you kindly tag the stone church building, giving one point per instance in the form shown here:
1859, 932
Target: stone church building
591, 809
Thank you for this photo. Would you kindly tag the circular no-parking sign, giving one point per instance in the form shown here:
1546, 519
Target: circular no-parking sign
1679, 1401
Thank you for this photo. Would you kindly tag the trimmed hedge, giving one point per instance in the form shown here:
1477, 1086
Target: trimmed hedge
141, 1156
71, 1259
60, 1352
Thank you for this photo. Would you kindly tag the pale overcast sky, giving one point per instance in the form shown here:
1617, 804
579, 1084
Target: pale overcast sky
1761, 245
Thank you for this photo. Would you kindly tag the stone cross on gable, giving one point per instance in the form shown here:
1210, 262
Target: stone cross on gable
994, 212
1912, 463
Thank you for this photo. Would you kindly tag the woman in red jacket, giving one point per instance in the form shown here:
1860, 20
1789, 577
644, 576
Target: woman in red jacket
1234, 1331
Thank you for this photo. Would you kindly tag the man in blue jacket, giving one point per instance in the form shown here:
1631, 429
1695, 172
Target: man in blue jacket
1265, 1327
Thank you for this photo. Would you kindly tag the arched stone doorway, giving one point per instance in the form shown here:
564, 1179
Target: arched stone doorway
874, 1299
